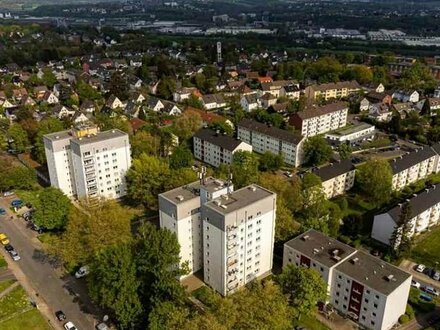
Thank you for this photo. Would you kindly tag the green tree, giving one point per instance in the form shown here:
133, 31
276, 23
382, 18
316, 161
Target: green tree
317, 151
166, 88
158, 266
87, 92
113, 284
285, 225
49, 78
118, 85
146, 179
344, 151
304, 287
374, 178
181, 157
46, 126
90, 229
223, 127
143, 142
244, 168
270, 161
168, 315
186, 125
401, 239
20, 140
53, 209
180, 177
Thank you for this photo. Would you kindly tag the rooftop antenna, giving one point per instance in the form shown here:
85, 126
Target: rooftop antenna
203, 174
229, 182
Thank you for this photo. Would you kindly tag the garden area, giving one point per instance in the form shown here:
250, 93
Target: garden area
427, 248
16, 311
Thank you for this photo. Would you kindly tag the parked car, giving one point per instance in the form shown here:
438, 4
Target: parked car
60, 315
4, 239
14, 255
436, 275
83, 271
37, 228
9, 247
2, 211
431, 290
415, 284
70, 326
8, 193
16, 203
425, 297
288, 174
420, 268
102, 326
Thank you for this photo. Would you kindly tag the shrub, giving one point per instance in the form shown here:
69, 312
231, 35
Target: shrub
410, 312
404, 319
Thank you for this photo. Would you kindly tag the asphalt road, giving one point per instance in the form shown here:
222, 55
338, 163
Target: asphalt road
41, 273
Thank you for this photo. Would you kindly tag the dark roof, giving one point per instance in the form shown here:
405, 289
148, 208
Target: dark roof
317, 246
406, 161
275, 132
319, 111
338, 85
218, 139
373, 272
436, 148
419, 203
334, 169
291, 88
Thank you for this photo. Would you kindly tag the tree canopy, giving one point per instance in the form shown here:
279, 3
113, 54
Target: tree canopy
374, 178
53, 209
316, 151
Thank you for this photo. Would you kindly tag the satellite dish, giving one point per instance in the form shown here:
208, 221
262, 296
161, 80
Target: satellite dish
105, 318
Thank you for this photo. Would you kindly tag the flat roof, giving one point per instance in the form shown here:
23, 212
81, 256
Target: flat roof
101, 136
350, 129
239, 199
192, 190
373, 272
322, 248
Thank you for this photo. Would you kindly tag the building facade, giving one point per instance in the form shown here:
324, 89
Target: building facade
264, 138
238, 238
86, 163
425, 213
215, 148
337, 178
365, 288
332, 90
351, 134
414, 166
180, 212
318, 120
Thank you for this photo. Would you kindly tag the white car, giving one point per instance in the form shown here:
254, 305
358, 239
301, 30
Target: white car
415, 284
8, 193
70, 326
432, 291
83, 271
14, 255
420, 268
436, 276
288, 174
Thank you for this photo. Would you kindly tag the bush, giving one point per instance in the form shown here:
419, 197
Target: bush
404, 319
410, 312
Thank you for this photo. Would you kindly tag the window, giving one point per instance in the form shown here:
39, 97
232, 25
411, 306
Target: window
366, 300
375, 305
374, 314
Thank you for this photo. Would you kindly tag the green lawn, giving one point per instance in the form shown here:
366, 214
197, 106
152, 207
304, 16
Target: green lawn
427, 248
31, 319
5, 284
15, 302
310, 322
3, 262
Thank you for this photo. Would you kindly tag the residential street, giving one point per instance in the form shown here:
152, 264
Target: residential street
39, 277
419, 277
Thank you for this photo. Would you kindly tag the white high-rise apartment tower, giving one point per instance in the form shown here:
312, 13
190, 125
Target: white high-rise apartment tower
86, 163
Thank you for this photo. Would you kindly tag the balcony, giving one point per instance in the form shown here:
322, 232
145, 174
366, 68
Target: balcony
89, 169
232, 265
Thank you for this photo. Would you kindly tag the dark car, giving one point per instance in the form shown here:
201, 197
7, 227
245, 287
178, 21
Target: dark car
2, 211
434, 319
38, 229
17, 203
9, 247
60, 315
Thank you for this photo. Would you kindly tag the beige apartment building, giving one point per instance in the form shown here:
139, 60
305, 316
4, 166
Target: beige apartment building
332, 90
337, 178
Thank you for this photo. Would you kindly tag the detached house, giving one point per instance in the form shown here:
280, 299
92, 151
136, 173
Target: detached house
60, 111
50, 98
268, 100
380, 112
213, 101
39, 92
250, 102
113, 102
292, 92
155, 104
184, 93
406, 96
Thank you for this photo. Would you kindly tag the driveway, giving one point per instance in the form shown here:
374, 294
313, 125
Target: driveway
37, 274
424, 279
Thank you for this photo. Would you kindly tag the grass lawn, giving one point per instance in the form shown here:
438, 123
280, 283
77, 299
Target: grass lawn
31, 319
5, 284
310, 322
427, 248
3, 263
15, 302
